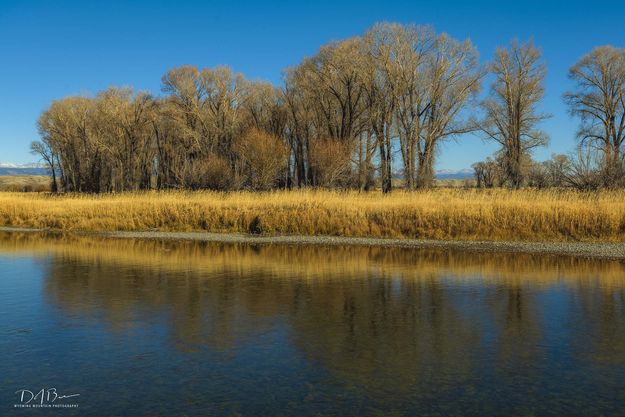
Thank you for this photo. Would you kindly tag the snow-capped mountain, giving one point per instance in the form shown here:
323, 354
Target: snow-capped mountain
442, 174
8, 168
34, 168
450, 174
21, 166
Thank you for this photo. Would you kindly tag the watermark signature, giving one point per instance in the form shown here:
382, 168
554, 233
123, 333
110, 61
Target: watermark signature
45, 398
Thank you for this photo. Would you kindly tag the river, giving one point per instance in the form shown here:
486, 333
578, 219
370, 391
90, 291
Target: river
164, 328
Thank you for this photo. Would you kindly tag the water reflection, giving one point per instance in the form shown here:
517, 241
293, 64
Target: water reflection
389, 330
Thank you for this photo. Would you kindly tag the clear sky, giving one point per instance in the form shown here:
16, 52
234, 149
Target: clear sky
52, 49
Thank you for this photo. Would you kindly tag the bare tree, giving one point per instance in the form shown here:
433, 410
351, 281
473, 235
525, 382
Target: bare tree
334, 82
418, 83
511, 115
584, 173
68, 127
342, 114
599, 101
537, 175
45, 152
454, 78
404, 61
487, 173
557, 169
123, 129
330, 162
325, 98
204, 110
263, 108
379, 92
299, 126
478, 173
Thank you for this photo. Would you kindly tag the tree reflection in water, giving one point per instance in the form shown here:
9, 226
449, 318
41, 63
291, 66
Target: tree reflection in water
402, 326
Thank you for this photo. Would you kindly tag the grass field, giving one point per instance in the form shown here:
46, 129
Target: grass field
530, 215
23, 183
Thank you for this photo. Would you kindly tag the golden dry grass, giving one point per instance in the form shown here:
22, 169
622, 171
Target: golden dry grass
554, 215
24, 183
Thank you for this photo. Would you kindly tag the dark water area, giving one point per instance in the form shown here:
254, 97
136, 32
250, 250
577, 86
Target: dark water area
152, 328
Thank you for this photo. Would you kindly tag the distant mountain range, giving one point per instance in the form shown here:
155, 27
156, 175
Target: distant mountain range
444, 174
449, 174
22, 169
40, 169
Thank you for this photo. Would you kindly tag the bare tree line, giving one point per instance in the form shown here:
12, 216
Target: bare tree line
598, 100
344, 118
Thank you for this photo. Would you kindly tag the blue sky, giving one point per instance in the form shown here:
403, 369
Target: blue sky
52, 49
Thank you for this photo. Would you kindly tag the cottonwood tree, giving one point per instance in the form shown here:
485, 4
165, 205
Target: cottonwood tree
223, 92
407, 67
599, 100
123, 128
342, 114
333, 81
338, 69
67, 126
379, 92
263, 108
511, 110
486, 173
181, 129
557, 168
203, 109
419, 84
121, 140
454, 78
43, 149
298, 128
101, 144
325, 98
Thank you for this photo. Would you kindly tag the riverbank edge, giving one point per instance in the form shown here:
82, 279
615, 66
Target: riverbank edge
614, 251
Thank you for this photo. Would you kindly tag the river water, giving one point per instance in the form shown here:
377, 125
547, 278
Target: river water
156, 328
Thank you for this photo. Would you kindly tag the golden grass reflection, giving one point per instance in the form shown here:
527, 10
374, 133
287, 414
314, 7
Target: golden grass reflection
321, 262
375, 316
